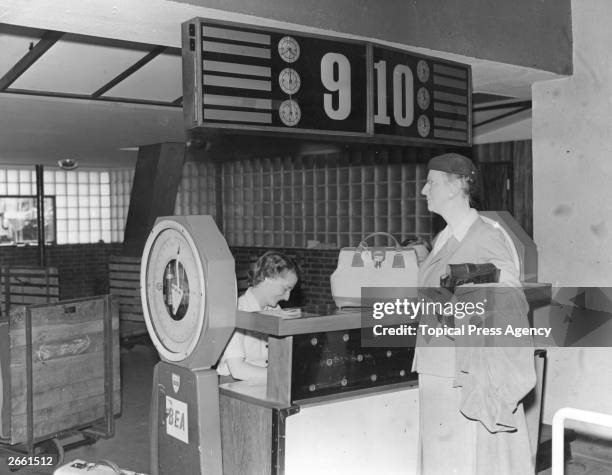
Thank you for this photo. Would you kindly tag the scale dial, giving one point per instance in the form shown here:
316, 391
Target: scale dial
289, 49
423, 98
423, 126
423, 70
289, 81
290, 112
173, 290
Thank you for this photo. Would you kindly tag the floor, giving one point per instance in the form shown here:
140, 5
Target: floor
583, 466
129, 448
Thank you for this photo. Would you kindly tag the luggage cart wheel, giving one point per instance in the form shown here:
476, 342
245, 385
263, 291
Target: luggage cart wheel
51, 447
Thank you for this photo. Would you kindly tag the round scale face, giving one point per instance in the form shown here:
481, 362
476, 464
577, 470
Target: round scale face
289, 81
289, 49
423, 126
174, 291
423, 70
423, 98
290, 112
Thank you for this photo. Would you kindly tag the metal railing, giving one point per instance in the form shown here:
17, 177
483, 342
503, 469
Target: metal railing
558, 432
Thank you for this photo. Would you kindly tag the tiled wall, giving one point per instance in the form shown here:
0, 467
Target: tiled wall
331, 200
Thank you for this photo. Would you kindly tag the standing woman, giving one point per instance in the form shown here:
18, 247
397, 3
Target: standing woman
471, 419
246, 355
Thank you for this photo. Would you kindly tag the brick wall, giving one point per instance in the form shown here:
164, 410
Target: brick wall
83, 268
316, 264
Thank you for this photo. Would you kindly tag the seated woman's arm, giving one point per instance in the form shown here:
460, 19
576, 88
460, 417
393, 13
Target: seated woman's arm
240, 369
234, 357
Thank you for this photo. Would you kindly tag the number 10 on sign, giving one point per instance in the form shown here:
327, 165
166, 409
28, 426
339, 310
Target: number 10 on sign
394, 86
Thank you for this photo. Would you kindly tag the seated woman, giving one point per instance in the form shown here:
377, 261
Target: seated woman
246, 355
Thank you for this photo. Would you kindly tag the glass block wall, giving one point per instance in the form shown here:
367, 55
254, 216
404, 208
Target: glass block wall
326, 201
91, 205
120, 191
323, 201
196, 193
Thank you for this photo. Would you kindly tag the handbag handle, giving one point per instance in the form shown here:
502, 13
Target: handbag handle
378, 256
363, 244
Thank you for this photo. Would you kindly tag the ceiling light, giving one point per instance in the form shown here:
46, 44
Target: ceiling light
68, 163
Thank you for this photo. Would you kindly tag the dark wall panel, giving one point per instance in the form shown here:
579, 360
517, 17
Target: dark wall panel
156, 180
520, 155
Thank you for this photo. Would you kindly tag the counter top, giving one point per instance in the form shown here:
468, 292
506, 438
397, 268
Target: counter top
326, 318
311, 320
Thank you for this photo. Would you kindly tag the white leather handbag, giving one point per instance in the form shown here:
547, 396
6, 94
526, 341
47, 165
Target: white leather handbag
365, 266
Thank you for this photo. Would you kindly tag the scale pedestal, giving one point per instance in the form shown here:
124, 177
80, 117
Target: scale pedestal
185, 428
189, 294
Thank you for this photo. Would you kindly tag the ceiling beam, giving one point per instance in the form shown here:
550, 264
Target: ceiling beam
46, 42
503, 116
86, 97
129, 71
501, 106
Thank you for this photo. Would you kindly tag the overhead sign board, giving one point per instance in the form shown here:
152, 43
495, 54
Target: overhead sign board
239, 77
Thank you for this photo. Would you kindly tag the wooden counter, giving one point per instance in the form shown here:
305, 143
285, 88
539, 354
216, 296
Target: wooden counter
327, 401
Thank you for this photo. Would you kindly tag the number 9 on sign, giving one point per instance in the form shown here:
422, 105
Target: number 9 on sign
336, 78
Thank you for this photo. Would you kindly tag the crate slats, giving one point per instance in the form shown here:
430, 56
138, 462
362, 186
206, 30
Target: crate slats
27, 285
124, 275
90, 409
68, 366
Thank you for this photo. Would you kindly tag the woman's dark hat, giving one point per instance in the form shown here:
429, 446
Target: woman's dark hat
453, 163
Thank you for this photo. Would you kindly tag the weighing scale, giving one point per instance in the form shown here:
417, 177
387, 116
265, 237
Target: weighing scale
188, 292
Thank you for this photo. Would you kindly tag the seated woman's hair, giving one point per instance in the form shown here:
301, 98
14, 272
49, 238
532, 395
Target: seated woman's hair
272, 264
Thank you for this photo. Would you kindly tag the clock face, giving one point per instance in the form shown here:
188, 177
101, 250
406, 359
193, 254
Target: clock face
423, 98
289, 49
423, 70
423, 126
172, 283
289, 81
290, 112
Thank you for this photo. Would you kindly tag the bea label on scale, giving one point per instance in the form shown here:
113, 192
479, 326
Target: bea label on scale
177, 419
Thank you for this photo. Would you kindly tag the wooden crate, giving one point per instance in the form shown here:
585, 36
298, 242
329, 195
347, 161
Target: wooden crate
27, 286
69, 379
124, 275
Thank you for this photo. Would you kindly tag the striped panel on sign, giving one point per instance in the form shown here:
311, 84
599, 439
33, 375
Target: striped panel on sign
450, 108
238, 116
447, 82
240, 83
237, 75
449, 71
233, 101
450, 103
235, 35
449, 134
448, 97
450, 123
235, 49
236, 68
